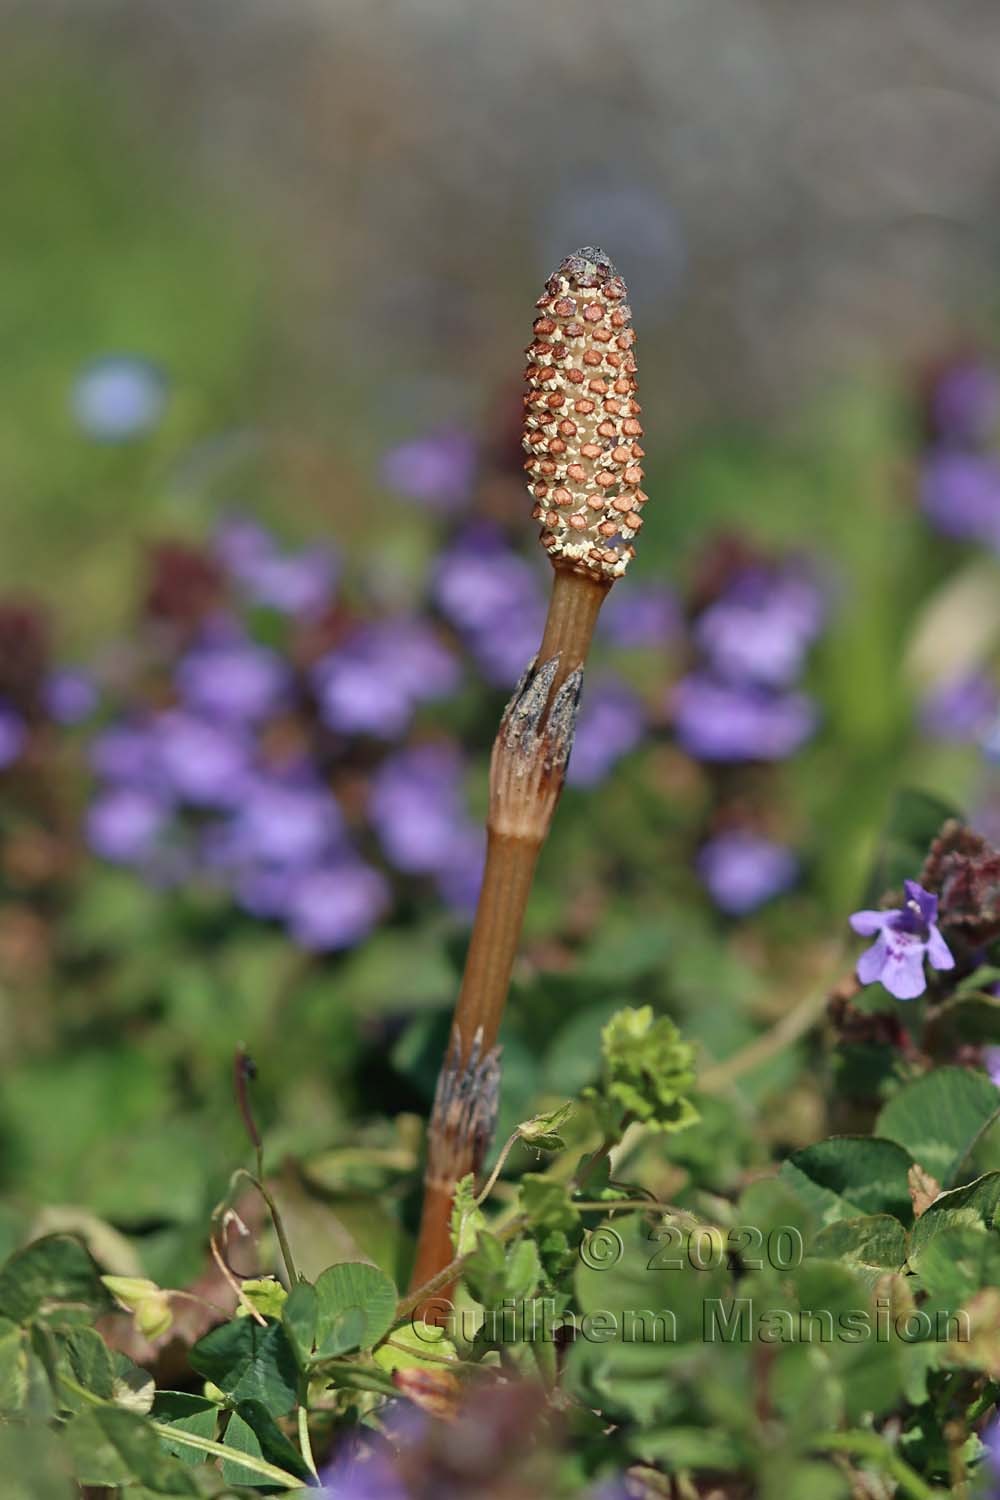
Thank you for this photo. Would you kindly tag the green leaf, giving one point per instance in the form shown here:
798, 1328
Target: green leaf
54, 1273
974, 1205
253, 1430
91, 1362
24, 1385
847, 1177
195, 1414
956, 1262
249, 1362
299, 1318
938, 1117
914, 822
355, 1307
870, 1245
264, 1293
111, 1446
411, 1345
466, 1217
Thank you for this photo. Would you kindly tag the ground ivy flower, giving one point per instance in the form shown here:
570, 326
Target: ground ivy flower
237, 680
960, 495
960, 708
335, 905
436, 470
727, 721
69, 695
965, 403
612, 722
742, 870
13, 735
124, 825
118, 397
762, 626
905, 938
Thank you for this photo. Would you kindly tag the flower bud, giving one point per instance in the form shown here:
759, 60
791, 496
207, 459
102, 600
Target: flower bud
581, 419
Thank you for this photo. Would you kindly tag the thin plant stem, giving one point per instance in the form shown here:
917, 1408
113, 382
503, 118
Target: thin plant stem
305, 1442
871, 1446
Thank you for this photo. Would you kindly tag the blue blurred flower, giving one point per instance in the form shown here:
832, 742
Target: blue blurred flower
965, 403
417, 810
762, 626
236, 680
743, 870
960, 495
124, 824
612, 722
724, 721
438, 470
991, 1062
494, 597
480, 584
960, 708
118, 397
285, 822
299, 583
70, 695
13, 735
643, 615
415, 806
206, 764
373, 683
127, 752
293, 583
335, 905
904, 938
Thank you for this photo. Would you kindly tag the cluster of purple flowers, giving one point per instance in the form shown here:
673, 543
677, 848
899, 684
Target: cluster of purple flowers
234, 777
959, 474
741, 704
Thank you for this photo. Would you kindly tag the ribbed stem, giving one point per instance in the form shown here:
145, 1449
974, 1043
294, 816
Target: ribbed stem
526, 776
510, 868
573, 609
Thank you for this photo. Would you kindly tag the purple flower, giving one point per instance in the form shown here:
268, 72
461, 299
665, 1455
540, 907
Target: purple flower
905, 938
294, 583
204, 763
503, 651
285, 822
960, 708
459, 879
124, 825
126, 753
722, 721
118, 397
437, 470
960, 495
70, 695
371, 1476
480, 584
991, 1062
965, 403
13, 735
742, 870
335, 905
416, 807
762, 627
642, 615
373, 683
235, 680
611, 723
240, 543
300, 583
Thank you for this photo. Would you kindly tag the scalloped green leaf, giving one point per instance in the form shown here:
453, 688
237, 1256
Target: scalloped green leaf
937, 1118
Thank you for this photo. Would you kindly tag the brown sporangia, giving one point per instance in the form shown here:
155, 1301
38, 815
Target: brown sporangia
581, 418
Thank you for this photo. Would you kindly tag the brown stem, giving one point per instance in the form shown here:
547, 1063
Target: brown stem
526, 777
